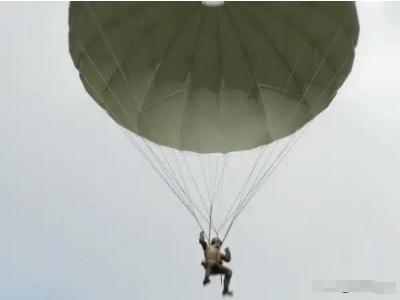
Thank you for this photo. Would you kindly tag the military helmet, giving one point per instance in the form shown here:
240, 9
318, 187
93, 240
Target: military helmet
216, 241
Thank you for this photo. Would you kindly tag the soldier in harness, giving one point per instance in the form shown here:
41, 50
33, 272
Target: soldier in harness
213, 262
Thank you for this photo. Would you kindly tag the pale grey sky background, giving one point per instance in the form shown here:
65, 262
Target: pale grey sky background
82, 215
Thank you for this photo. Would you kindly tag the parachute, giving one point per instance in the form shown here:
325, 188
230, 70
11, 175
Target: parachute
195, 85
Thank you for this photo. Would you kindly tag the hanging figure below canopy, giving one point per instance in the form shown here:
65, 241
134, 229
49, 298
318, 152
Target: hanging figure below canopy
213, 262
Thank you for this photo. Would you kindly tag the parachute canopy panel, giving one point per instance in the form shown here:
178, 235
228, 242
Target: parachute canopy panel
213, 78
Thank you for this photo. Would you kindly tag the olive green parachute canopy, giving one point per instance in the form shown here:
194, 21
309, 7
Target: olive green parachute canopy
213, 78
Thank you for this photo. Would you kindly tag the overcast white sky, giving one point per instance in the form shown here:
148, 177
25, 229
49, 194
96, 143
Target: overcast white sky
82, 215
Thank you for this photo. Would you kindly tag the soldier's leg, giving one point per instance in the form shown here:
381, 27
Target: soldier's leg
227, 278
207, 274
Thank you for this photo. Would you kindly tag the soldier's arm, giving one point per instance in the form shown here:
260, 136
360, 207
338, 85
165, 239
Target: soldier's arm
227, 256
202, 241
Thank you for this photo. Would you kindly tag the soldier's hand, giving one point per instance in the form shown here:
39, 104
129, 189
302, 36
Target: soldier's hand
202, 234
227, 249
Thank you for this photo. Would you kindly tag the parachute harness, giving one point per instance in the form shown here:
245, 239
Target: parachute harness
175, 168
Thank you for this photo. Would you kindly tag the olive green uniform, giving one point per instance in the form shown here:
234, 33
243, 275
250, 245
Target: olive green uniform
213, 262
